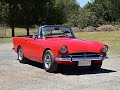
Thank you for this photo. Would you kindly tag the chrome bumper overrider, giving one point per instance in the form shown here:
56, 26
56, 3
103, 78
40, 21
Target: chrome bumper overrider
80, 59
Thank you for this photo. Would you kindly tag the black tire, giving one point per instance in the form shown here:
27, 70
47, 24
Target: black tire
95, 66
48, 62
21, 57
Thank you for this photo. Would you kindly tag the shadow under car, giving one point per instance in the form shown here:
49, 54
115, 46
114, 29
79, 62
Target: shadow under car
72, 70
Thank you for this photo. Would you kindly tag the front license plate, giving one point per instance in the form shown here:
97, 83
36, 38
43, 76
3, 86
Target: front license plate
84, 63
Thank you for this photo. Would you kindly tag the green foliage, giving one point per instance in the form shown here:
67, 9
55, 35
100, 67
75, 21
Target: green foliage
69, 24
116, 22
26, 13
0, 12
98, 12
87, 18
3, 11
65, 11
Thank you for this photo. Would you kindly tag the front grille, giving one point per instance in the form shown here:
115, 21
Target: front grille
83, 54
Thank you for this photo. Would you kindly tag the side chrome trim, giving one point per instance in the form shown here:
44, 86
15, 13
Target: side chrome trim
80, 59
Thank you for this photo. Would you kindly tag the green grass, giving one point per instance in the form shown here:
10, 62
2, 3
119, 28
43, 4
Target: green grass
112, 39
18, 32
5, 40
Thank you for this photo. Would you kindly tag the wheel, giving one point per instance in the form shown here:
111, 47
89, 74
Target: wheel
96, 66
48, 61
21, 57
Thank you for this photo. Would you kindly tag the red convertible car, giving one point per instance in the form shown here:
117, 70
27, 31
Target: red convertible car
54, 44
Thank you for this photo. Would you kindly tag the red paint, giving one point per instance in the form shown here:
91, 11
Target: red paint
33, 49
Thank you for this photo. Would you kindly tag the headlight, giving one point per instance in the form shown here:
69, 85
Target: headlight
63, 49
105, 49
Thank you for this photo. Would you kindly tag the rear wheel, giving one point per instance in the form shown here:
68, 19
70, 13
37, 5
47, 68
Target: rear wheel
48, 61
21, 57
96, 66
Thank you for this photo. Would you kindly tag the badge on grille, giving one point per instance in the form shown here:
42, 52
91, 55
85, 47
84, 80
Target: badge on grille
85, 55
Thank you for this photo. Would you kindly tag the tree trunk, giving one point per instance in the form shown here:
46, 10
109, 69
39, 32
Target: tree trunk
27, 31
13, 31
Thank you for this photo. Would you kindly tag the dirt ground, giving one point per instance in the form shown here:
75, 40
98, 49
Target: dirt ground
32, 76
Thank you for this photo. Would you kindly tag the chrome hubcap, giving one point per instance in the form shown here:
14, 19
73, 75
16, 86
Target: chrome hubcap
20, 55
47, 60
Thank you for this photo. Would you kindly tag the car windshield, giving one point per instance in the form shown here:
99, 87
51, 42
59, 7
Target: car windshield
57, 32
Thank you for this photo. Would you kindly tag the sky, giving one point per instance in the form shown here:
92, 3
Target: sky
83, 2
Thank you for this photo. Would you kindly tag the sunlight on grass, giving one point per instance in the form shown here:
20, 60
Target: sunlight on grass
6, 32
112, 39
5, 40
18, 32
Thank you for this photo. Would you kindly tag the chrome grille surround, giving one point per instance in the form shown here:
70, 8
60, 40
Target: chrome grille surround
80, 56
83, 54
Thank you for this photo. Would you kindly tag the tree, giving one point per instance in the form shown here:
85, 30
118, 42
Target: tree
70, 9
0, 12
108, 10
10, 10
24, 13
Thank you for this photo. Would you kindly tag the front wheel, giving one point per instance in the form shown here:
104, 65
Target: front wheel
48, 61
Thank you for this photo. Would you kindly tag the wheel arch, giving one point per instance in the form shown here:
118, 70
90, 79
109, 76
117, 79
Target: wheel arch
45, 51
53, 66
18, 48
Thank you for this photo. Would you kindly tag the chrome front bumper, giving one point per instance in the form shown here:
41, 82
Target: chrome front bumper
81, 59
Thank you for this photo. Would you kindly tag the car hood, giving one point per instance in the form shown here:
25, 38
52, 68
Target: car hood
75, 45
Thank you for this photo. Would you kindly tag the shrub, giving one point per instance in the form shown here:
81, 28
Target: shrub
89, 29
107, 28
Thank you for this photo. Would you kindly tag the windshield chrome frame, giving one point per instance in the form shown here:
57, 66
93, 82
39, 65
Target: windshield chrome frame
42, 30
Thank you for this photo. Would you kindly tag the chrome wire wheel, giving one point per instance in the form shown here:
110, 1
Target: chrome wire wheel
21, 57
47, 61
20, 54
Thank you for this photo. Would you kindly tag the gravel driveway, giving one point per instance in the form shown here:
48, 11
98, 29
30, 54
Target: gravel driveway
32, 76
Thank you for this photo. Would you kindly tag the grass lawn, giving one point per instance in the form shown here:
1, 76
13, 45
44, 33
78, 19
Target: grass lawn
112, 39
5, 40
18, 32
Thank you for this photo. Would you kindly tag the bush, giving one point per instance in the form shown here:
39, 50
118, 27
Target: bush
107, 28
69, 24
76, 29
89, 29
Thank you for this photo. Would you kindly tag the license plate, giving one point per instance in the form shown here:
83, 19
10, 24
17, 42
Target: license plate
84, 63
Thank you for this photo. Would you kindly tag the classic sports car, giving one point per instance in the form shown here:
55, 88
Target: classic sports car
53, 45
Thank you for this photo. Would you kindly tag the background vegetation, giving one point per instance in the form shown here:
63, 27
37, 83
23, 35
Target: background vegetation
109, 38
31, 13
28, 13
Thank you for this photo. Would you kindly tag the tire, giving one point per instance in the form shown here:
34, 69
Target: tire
48, 62
95, 66
21, 57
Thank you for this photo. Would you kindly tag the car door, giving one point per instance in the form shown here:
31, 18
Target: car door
35, 49
27, 48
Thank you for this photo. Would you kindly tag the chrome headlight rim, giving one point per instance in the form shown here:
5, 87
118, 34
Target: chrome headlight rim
104, 49
64, 49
